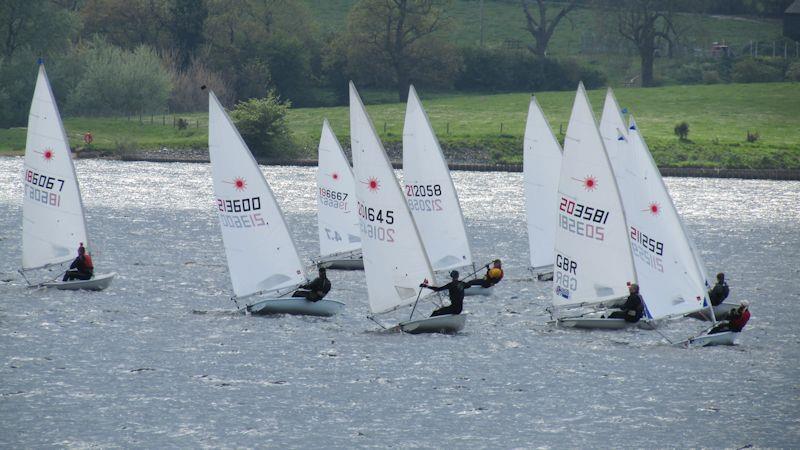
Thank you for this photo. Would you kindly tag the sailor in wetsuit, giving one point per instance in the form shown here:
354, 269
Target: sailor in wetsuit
493, 276
316, 289
633, 308
81, 268
737, 319
720, 290
455, 289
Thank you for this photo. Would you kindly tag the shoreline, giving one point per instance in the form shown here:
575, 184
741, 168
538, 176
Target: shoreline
201, 156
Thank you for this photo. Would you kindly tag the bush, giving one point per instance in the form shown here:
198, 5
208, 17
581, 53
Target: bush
682, 131
752, 137
793, 72
756, 70
187, 95
262, 124
117, 81
503, 70
711, 77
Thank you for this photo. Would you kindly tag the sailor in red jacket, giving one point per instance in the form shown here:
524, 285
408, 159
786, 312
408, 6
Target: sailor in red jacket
737, 319
81, 268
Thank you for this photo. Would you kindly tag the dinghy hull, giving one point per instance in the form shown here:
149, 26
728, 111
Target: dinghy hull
721, 312
296, 306
593, 323
707, 340
445, 324
342, 264
478, 290
96, 283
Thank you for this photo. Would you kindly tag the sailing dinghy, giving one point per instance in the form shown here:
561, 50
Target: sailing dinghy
262, 258
541, 165
593, 261
337, 219
432, 196
395, 261
53, 219
671, 279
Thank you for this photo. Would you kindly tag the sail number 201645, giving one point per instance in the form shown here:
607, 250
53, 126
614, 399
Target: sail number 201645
43, 188
377, 231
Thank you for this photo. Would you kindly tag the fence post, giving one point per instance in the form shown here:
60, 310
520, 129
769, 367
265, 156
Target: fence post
501, 127
448, 128
384, 127
197, 123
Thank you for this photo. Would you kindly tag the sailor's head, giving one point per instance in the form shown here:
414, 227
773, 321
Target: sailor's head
744, 305
497, 263
454, 274
720, 277
81, 249
633, 288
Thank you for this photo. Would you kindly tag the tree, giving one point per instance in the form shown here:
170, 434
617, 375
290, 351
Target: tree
540, 28
187, 18
41, 26
128, 23
395, 41
646, 23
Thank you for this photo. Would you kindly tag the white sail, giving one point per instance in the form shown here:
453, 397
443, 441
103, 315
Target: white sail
261, 255
395, 262
541, 163
670, 281
593, 261
337, 216
53, 223
430, 191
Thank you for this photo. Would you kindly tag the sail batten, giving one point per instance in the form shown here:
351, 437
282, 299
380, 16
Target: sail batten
260, 251
395, 262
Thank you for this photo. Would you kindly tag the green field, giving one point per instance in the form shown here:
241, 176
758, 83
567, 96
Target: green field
719, 117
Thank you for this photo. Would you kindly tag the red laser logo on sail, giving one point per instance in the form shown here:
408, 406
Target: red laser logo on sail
654, 208
238, 183
589, 183
48, 154
335, 176
373, 184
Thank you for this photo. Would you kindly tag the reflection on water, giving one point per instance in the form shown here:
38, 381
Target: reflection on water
163, 360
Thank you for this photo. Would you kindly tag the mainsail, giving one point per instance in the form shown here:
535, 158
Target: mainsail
430, 192
541, 163
593, 261
337, 216
395, 262
261, 254
53, 222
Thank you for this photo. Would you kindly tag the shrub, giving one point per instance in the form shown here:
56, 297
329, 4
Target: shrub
711, 77
793, 72
752, 137
262, 124
117, 81
756, 70
186, 94
182, 123
682, 131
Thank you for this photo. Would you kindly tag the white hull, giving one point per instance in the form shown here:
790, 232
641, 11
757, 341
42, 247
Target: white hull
721, 312
296, 306
593, 323
478, 290
447, 324
707, 340
333, 262
96, 283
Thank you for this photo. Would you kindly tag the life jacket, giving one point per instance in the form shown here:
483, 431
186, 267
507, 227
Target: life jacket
494, 275
738, 322
87, 262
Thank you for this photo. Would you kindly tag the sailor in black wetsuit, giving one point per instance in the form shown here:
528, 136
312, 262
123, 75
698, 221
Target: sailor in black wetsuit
455, 289
633, 308
316, 289
81, 268
720, 290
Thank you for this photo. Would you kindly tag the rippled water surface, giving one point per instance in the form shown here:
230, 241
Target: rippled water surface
161, 359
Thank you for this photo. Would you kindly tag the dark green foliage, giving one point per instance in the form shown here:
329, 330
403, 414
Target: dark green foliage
793, 72
503, 70
757, 70
262, 124
187, 18
752, 137
682, 131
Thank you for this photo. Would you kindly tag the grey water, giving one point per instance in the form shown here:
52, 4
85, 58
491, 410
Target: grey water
162, 359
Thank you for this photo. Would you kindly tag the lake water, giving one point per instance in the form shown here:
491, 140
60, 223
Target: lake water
162, 359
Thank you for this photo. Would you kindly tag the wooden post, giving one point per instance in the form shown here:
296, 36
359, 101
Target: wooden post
448, 128
501, 127
384, 127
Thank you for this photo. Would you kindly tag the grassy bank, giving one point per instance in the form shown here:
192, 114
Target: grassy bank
719, 117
